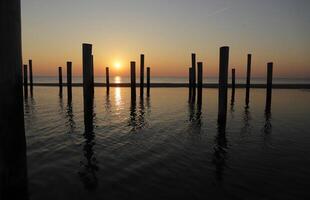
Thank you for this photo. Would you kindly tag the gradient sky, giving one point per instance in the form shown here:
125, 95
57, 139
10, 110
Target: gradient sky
167, 32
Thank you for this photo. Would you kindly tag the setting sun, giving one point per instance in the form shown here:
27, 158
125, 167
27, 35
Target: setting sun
117, 65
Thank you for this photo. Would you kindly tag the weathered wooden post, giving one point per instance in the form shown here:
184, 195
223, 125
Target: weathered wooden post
31, 77
194, 70
148, 80
107, 76
60, 80
223, 79
87, 86
190, 84
13, 165
248, 80
233, 85
25, 81
92, 74
133, 79
269, 86
69, 80
200, 80
141, 75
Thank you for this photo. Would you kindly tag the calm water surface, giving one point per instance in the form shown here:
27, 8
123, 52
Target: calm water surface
160, 147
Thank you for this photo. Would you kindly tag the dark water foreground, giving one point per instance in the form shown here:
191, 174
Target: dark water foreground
162, 148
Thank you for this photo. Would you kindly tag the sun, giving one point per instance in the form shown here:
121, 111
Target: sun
117, 65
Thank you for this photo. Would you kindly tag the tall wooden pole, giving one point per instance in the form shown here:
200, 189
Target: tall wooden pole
133, 79
194, 69
13, 165
223, 79
148, 80
200, 82
141, 75
248, 80
269, 86
60, 80
25, 81
233, 85
107, 76
87, 86
69, 80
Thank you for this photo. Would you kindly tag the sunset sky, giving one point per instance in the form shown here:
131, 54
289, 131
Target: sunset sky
167, 32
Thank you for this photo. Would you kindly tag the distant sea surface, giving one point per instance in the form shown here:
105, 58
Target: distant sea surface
118, 79
161, 147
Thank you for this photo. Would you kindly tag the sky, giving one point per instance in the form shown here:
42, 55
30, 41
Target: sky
167, 32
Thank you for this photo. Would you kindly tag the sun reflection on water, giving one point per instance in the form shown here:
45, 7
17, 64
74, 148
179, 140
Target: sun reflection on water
117, 79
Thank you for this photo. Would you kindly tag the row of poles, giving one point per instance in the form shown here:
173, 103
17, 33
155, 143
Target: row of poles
195, 79
197, 83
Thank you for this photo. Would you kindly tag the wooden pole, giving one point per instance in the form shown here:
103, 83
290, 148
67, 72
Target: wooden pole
25, 81
194, 69
148, 80
141, 75
233, 85
133, 79
269, 86
200, 82
190, 84
87, 86
107, 76
60, 80
223, 79
13, 165
30, 76
248, 80
92, 74
69, 80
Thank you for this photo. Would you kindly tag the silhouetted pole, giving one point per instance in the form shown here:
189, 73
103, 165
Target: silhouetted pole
190, 84
248, 80
31, 76
141, 75
233, 85
194, 69
69, 80
107, 76
25, 81
200, 80
92, 74
223, 79
13, 167
87, 85
60, 80
133, 79
269, 86
148, 80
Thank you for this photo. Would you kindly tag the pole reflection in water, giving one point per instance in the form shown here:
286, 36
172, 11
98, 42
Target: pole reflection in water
69, 116
246, 129
219, 156
133, 115
90, 165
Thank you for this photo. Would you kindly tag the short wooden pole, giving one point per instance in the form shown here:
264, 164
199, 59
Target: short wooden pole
25, 81
87, 86
148, 80
248, 80
223, 79
60, 80
92, 74
269, 86
190, 84
69, 80
30, 75
141, 75
107, 76
233, 85
200, 82
133, 79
